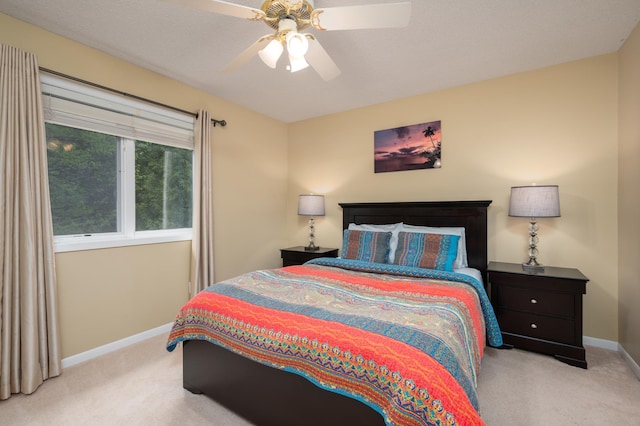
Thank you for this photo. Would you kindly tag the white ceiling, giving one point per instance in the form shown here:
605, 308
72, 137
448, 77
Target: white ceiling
447, 43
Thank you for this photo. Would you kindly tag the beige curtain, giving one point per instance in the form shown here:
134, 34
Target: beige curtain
202, 244
29, 337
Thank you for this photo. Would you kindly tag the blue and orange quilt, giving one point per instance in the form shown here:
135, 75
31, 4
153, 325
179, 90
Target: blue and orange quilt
405, 341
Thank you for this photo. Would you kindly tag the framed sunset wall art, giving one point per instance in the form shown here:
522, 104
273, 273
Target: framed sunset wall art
408, 148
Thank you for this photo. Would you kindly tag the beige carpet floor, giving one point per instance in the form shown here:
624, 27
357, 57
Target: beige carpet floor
141, 385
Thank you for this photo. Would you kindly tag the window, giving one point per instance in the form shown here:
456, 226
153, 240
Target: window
120, 172
164, 187
83, 180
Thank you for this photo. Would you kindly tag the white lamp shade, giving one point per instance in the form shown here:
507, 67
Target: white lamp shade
297, 63
271, 53
297, 44
311, 205
534, 201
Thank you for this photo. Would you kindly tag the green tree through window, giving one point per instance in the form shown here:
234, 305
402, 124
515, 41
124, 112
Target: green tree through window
83, 168
87, 183
163, 187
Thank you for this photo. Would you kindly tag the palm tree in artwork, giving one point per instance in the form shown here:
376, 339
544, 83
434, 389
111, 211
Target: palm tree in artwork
428, 133
433, 156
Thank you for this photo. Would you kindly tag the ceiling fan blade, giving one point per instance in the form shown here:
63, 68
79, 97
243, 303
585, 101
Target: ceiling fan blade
320, 60
248, 53
385, 15
224, 8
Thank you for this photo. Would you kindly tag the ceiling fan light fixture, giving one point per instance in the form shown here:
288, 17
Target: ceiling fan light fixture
297, 63
271, 53
289, 17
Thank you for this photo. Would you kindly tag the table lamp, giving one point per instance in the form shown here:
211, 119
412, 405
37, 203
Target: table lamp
311, 205
534, 202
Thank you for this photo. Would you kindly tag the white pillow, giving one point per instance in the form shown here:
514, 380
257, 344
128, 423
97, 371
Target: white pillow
394, 228
471, 272
461, 257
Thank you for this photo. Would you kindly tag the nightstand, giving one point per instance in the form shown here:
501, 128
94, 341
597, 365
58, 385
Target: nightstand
298, 255
540, 311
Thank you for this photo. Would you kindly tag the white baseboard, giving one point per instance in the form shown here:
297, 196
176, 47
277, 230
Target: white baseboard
632, 363
600, 343
114, 346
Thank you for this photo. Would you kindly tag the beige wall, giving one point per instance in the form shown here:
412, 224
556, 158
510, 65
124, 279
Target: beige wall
106, 295
629, 201
557, 125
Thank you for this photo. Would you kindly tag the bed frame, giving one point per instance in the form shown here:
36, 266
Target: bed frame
268, 396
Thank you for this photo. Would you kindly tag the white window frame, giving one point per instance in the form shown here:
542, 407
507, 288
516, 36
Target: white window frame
78, 106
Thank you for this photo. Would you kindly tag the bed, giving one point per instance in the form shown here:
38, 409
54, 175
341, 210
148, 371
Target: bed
288, 346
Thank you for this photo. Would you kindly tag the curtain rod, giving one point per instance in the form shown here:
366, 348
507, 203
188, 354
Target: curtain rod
129, 95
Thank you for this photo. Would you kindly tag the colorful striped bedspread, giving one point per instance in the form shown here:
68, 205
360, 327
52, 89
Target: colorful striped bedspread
406, 341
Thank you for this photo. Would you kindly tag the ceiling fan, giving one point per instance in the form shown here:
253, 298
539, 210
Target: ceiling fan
289, 17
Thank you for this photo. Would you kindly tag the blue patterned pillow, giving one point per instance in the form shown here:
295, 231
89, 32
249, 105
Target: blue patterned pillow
430, 251
366, 245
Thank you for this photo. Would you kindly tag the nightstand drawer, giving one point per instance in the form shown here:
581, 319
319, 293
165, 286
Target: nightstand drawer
298, 255
536, 301
297, 258
537, 326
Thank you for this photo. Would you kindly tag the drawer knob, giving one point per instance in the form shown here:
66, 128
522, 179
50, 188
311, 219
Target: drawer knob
533, 325
534, 301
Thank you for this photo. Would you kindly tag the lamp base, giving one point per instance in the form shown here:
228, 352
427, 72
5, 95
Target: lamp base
532, 266
311, 248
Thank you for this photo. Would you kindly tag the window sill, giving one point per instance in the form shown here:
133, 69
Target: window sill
93, 242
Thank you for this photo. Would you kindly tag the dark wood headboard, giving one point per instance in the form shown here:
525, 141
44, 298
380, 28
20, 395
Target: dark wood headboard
470, 214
